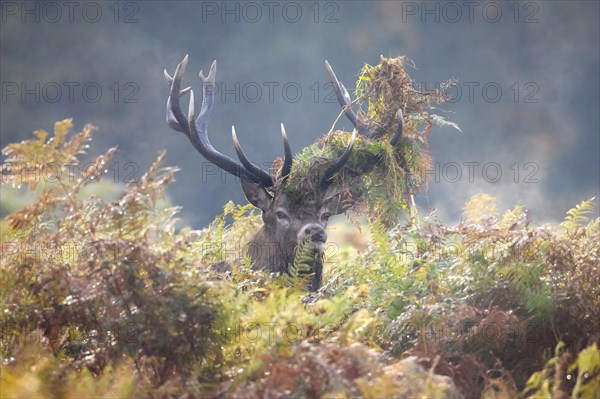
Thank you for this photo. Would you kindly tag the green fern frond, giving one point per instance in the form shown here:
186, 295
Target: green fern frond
383, 250
578, 216
300, 271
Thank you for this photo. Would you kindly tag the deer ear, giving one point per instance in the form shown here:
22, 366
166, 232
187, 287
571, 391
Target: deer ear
256, 194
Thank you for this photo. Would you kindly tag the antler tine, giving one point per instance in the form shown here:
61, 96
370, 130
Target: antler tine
337, 166
345, 101
175, 117
208, 93
200, 140
171, 120
396, 138
196, 129
170, 81
288, 158
266, 178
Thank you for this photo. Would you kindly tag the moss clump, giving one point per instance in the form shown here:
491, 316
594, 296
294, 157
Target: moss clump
304, 182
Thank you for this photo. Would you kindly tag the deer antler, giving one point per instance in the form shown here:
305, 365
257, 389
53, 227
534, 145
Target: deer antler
287, 159
345, 101
396, 137
337, 165
264, 176
196, 130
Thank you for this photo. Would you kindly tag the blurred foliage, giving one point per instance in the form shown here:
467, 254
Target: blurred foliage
94, 280
562, 374
104, 298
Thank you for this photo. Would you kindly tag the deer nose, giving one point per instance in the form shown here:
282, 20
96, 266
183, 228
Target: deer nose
316, 232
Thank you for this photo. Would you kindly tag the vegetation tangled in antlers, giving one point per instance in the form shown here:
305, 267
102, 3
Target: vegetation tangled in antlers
379, 174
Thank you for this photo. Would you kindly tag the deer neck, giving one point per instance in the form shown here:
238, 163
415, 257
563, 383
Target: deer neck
269, 252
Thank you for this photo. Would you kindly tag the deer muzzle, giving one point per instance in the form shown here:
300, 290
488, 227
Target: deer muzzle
315, 232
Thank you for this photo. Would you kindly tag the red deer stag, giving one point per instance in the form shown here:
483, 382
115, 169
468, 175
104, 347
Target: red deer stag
286, 222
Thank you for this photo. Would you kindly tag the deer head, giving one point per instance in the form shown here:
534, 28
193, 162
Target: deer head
287, 219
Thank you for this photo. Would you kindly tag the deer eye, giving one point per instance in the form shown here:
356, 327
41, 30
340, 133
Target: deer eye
281, 215
326, 216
